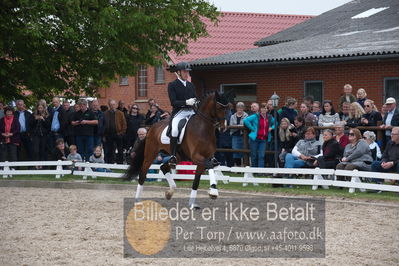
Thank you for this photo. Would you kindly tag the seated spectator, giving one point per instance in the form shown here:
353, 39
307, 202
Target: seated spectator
316, 109
309, 118
370, 137
356, 113
10, 136
286, 139
289, 110
357, 154
298, 131
371, 117
60, 152
141, 134
344, 114
97, 157
347, 96
162, 158
361, 97
340, 135
390, 157
332, 151
237, 140
305, 151
73, 155
259, 125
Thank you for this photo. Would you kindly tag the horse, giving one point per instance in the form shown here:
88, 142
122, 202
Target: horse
198, 145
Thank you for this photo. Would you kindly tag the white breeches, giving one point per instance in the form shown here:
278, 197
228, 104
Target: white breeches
176, 119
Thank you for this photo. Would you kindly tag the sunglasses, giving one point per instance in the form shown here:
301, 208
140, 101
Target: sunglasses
135, 108
351, 134
367, 105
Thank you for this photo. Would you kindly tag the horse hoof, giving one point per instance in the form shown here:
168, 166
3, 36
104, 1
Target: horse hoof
213, 193
168, 194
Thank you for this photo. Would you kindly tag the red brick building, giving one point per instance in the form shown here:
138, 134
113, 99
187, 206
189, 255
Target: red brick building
357, 43
235, 31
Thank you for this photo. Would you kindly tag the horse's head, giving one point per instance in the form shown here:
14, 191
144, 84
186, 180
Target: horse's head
214, 108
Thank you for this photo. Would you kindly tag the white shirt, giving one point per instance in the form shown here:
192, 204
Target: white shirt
183, 81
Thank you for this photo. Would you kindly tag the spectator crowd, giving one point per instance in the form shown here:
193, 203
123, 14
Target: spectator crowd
86, 131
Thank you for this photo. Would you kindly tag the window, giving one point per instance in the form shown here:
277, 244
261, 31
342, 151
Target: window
391, 88
123, 81
314, 88
159, 74
142, 81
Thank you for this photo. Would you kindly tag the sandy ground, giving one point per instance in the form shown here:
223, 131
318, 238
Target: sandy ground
44, 226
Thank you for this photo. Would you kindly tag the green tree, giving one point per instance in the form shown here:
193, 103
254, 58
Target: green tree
51, 47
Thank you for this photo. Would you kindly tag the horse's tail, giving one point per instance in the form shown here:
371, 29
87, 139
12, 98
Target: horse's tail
136, 162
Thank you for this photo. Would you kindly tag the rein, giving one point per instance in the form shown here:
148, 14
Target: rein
214, 122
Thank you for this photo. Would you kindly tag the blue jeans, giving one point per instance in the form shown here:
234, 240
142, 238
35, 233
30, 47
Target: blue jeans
292, 161
85, 146
237, 143
257, 148
376, 167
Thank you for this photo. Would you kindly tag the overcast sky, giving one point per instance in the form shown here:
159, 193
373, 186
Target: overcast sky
299, 7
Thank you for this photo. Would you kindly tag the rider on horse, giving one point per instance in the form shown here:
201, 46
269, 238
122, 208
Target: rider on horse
182, 97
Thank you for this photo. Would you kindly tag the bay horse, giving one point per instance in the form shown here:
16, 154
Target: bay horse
198, 145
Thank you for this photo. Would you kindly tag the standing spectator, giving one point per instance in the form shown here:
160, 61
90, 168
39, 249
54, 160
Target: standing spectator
344, 114
289, 110
370, 137
391, 119
237, 141
40, 133
25, 119
68, 132
270, 108
390, 158
269, 157
10, 136
361, 97
299, 129
316, 109
332, 151
357, 153
114, 129
60, 152
152, 102
305, 151
308, 100
371, 117
340, 136
384, 111
84, 122
58, 121
134, 121
122, 108
286, 139
1, 110
154, 116
254, 109
259, 126
309, 118
328, 116
356, 113
347, 96
99, 128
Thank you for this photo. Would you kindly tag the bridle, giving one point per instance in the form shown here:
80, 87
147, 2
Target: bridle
215, 121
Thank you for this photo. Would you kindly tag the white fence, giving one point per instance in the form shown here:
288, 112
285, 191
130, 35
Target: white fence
318, 177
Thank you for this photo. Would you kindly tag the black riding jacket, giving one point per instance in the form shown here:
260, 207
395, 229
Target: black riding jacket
178, 94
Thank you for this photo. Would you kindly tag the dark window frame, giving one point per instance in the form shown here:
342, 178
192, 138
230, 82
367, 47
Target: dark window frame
142, 85
159, 69
314, 81
123, 81
385, 96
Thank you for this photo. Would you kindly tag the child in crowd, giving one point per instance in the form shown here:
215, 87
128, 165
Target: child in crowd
97, 157
74, 156
347, 96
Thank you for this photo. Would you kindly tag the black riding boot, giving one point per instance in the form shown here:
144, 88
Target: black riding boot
173, 146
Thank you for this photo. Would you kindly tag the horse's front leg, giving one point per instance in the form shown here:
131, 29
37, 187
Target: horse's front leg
213, 191
166, 170
199, 171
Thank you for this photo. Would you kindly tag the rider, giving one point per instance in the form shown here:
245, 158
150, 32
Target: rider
182, 97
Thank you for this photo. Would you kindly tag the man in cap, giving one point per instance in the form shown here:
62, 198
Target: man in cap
391, 119
182, 97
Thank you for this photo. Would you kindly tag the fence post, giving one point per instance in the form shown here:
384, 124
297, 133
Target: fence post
6, 168
59, 169
89, 172
318, 177
356, 179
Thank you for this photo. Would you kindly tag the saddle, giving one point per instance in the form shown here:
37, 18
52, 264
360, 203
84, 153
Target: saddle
166, 132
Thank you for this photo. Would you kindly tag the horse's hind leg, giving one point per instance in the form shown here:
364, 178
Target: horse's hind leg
166, 170
213, 191
142, 177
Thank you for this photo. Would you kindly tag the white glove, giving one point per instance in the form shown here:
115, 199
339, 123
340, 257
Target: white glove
191, 101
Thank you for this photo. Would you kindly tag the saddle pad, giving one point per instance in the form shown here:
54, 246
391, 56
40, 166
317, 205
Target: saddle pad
166, 140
